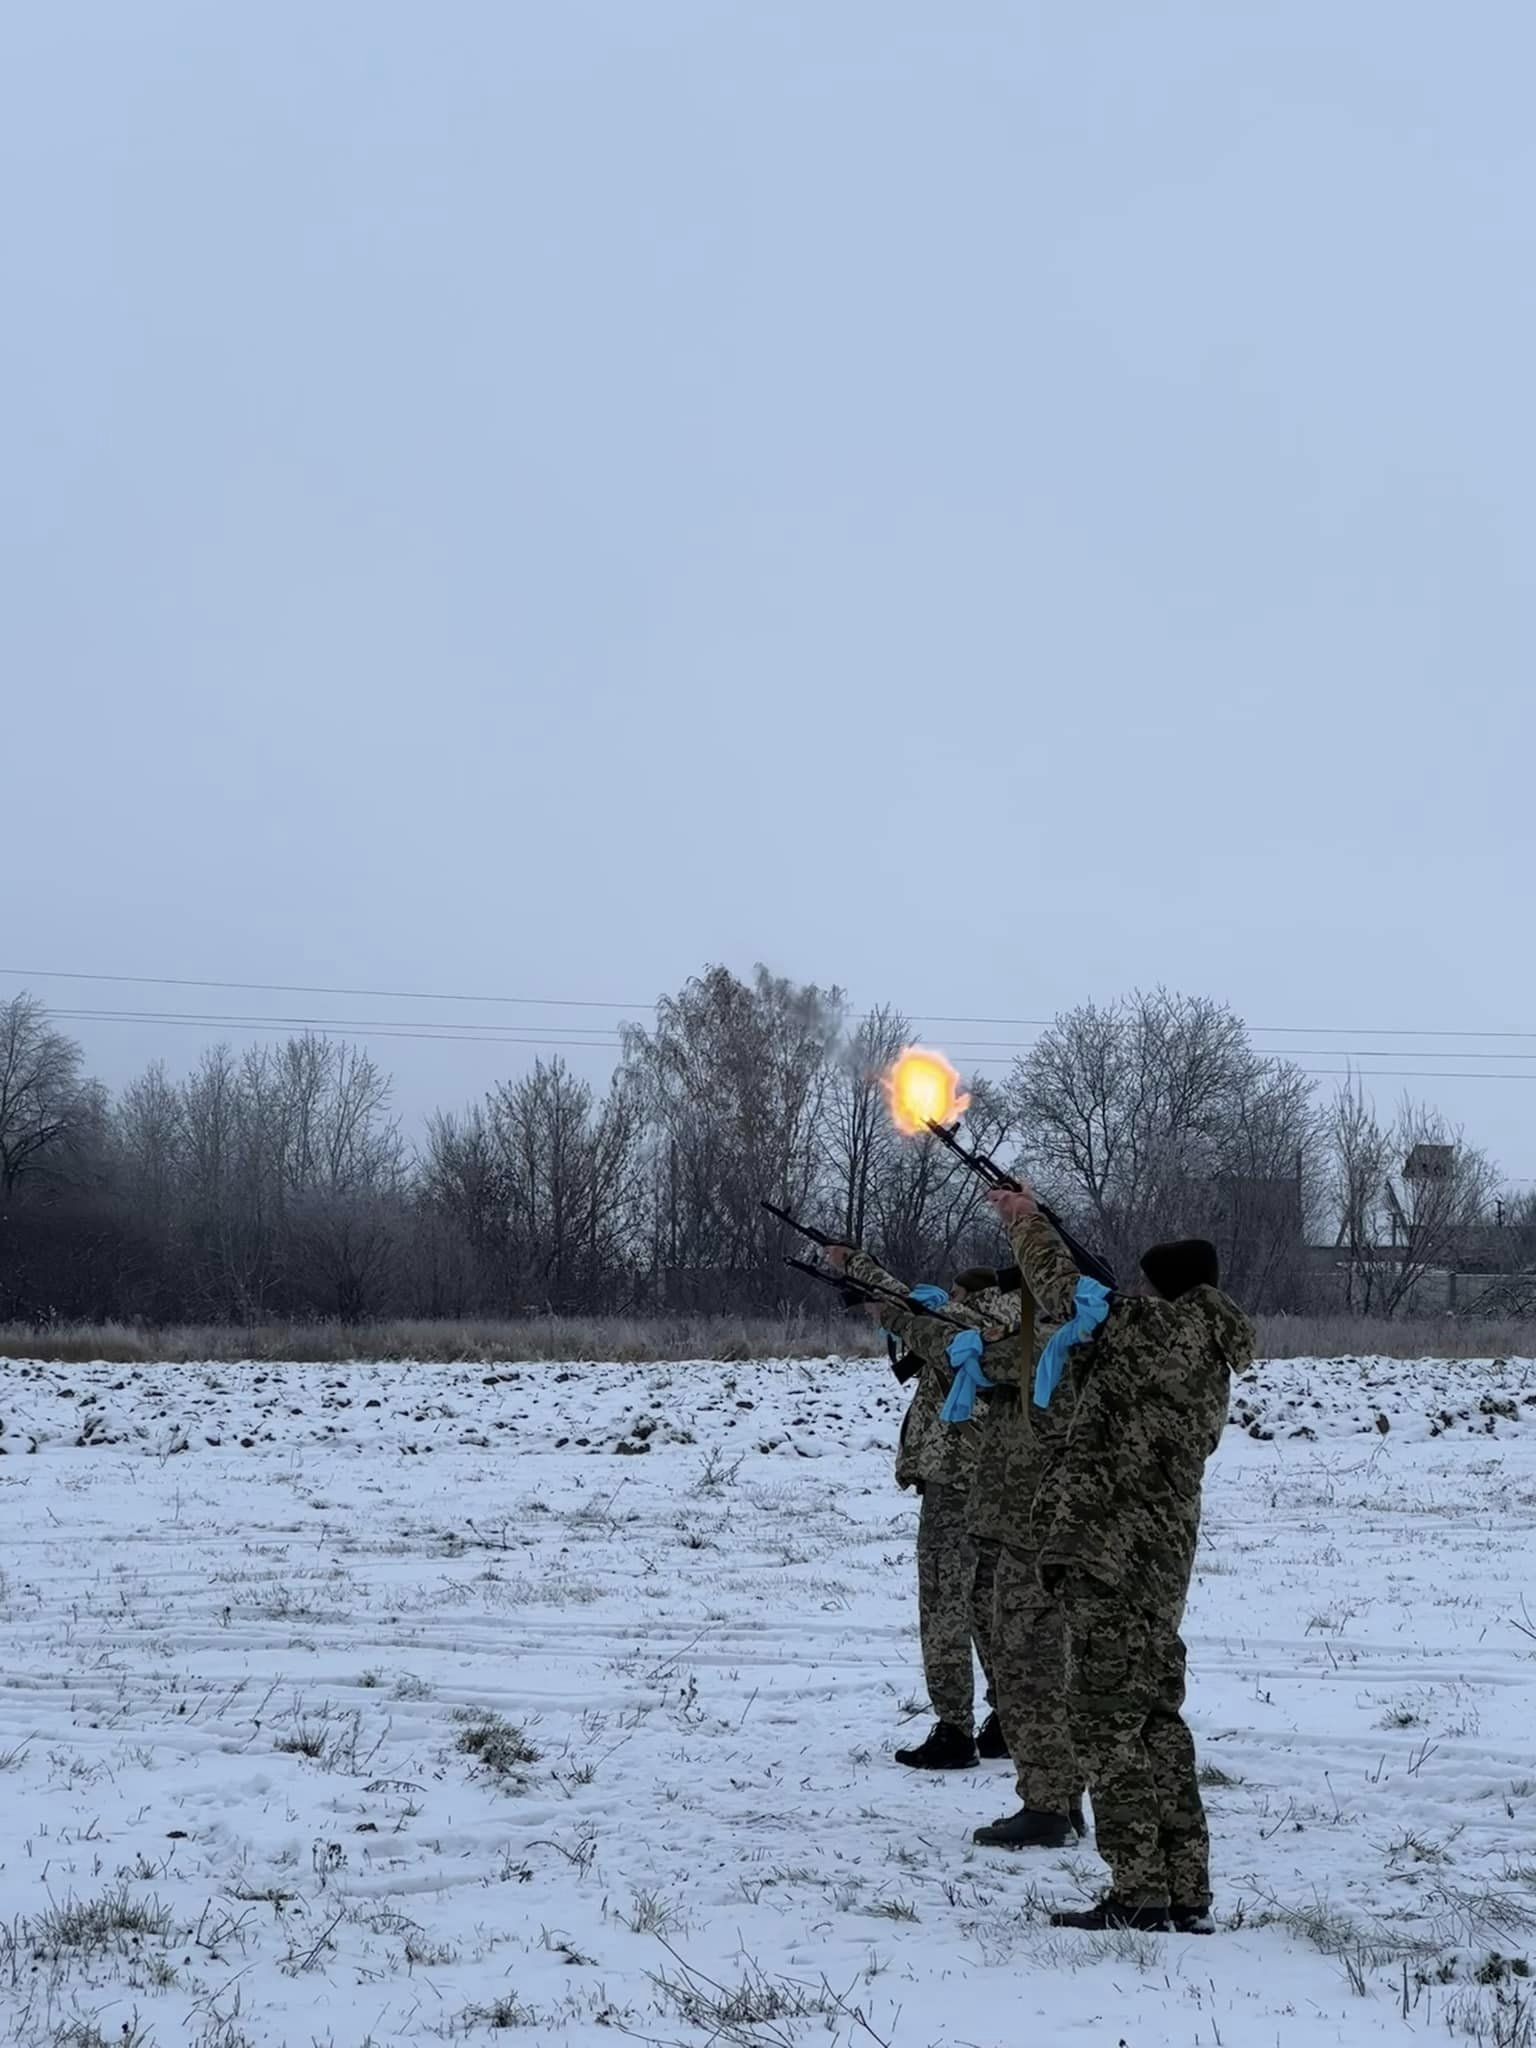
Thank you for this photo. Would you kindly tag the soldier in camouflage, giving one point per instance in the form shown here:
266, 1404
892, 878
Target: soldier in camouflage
1017, 1626
937, 1459
1029, 1654
978, 1284
1116, 1521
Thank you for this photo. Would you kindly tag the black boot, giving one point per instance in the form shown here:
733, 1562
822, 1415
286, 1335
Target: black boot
990, 1743
1110, 1915
1026, 1829
1079, 1819
1191, 1920
947, 1748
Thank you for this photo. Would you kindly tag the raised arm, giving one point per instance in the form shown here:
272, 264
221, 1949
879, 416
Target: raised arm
926, 1336
1050, 1272
922, 1336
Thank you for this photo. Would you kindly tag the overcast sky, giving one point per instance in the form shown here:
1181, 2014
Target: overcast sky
988, 504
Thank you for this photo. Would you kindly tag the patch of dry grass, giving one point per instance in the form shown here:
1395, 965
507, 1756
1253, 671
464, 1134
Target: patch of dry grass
1337, 1336
641, 1340
621, 1340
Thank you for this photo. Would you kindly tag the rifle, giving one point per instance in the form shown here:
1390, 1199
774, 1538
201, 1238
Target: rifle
986, 1168
902, 1364
816, 1236
855, 1292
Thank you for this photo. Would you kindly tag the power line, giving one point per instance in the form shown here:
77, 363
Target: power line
606, 1035
1409, 1073
448, 1035
444, 1037
589, 1003
603, 1034
1311, 1031
287, 988
1374, 1031
503, 1033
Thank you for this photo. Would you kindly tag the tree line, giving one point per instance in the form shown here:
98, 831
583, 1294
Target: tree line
276, 1182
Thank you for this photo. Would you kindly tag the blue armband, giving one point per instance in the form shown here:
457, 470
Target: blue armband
964, 1353
1090, 1307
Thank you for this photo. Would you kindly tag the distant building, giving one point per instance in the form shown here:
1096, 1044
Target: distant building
1430, 1162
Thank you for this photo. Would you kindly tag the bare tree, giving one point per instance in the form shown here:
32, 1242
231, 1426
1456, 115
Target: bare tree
150, 1141
1154, 1115
544, 1187
1409, 1199
857, 1139
1438, 1195
63, 1237
286, 1175
1512, 1290
568, 1173
732, 1081
1270, 1184
1360, 1160
40, 1090
336, 1162
336, 1134
463, 1184
231, 1115
343, 1249
1518, 1221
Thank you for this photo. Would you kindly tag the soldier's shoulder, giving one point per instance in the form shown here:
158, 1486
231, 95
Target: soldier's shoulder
1151, 1329
1228, 1327
1146, 1317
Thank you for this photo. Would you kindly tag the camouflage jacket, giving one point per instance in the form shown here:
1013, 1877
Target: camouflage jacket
1147, 1401
933, 1452
1015, 1444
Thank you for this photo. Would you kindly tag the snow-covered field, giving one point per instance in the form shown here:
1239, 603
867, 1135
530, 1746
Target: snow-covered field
400, 1704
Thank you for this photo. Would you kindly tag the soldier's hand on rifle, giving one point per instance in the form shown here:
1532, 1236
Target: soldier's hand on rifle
875, 1310
836, 1256
1014, 1207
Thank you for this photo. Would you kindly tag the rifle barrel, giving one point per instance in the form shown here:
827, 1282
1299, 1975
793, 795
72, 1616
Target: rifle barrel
981, 1163
816, 1236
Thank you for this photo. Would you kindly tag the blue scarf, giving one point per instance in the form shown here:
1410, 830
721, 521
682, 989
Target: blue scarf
1090, 1307
964, 1353
929, 1297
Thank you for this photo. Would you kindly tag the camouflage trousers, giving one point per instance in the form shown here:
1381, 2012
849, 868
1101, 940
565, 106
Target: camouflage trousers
946, 1569
1029, 1657
983, 1608
1127, 1693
